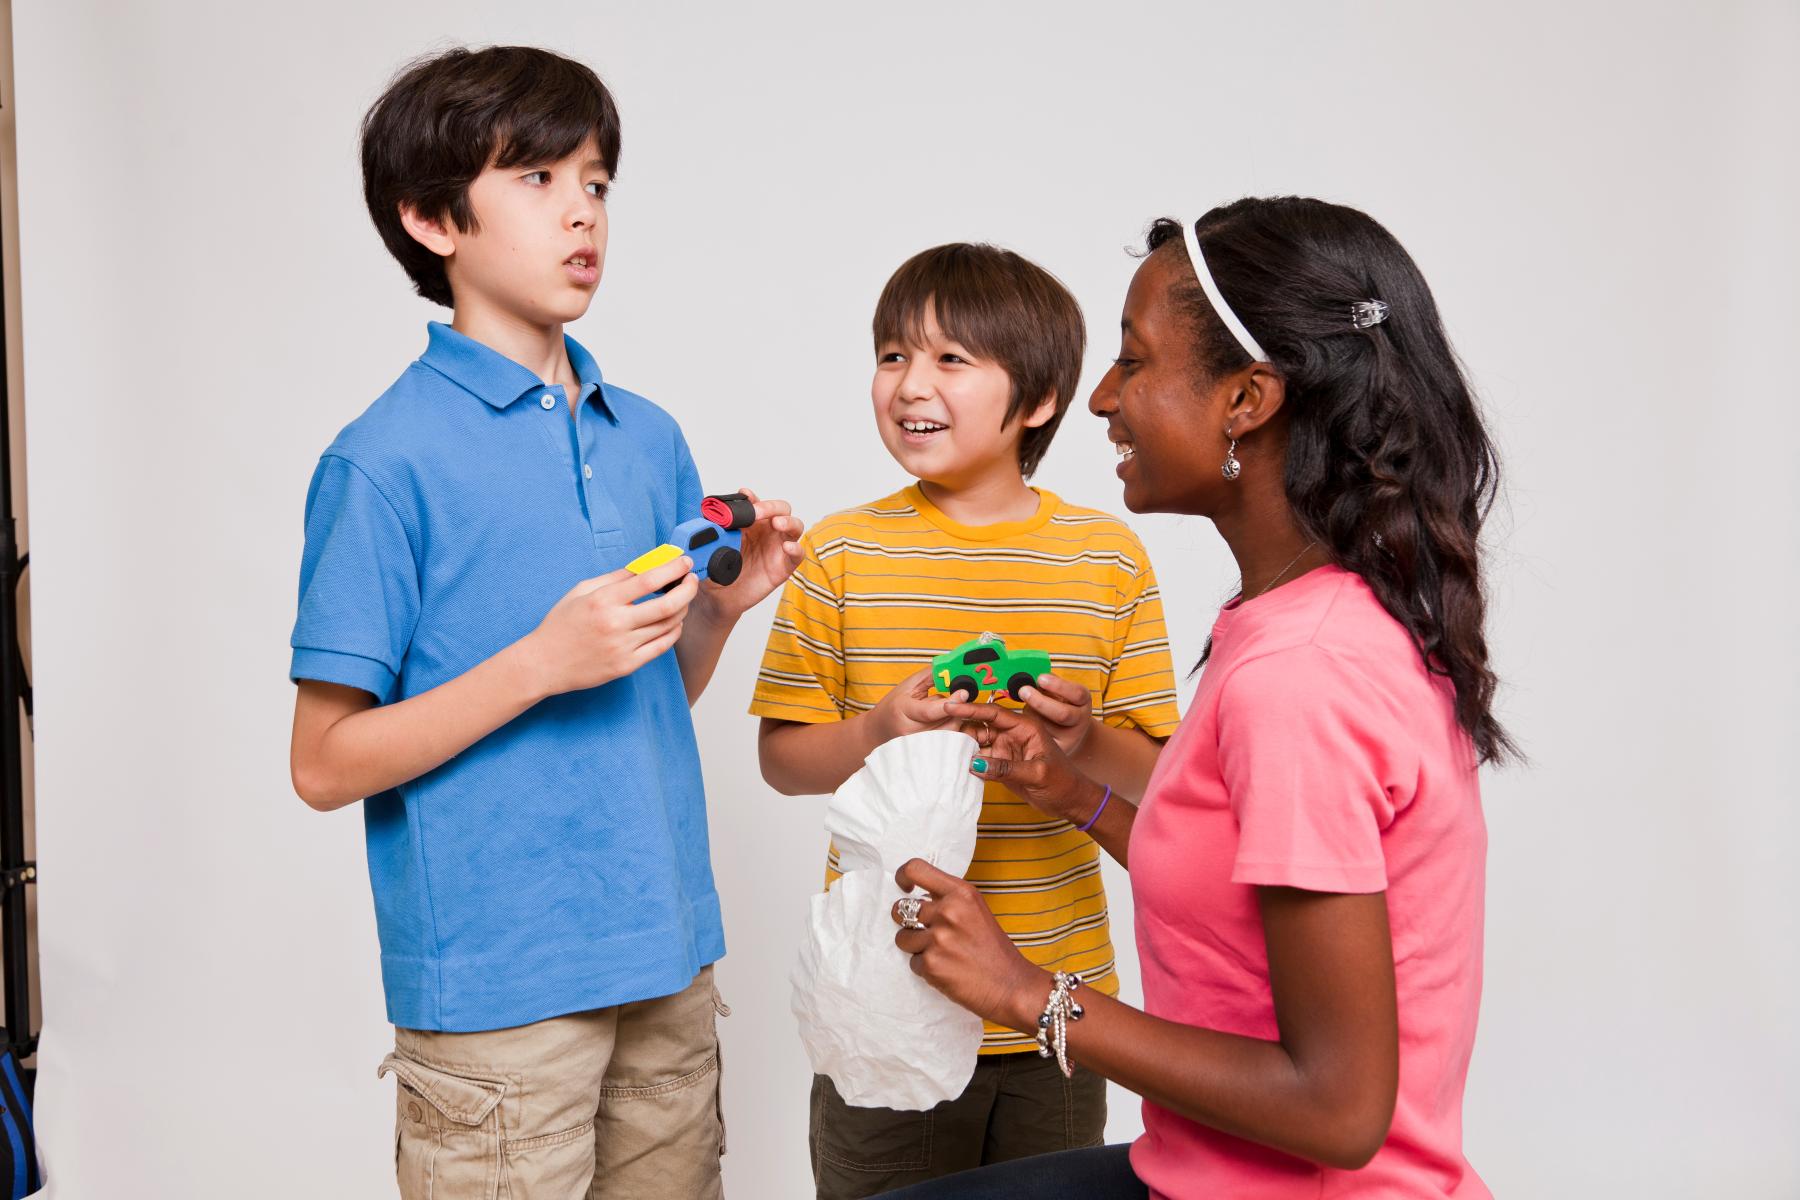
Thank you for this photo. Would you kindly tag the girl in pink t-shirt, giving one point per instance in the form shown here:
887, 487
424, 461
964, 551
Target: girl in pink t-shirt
1308, 861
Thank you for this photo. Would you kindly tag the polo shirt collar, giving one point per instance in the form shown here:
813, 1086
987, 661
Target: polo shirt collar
497, 379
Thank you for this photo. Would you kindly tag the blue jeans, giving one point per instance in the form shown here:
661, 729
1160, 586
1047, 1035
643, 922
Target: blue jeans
1098, 1173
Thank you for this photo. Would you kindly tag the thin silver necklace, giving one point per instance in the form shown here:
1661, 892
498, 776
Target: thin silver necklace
1283, 571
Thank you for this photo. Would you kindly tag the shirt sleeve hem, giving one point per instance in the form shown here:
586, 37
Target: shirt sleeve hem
1350, 878
1148, 721
350, 670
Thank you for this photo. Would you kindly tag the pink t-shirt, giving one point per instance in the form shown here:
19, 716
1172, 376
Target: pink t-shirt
1318, 753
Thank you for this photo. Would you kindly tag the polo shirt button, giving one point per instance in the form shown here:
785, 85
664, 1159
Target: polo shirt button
587, 472
549, 402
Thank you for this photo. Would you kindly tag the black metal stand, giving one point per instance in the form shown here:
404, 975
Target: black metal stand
16, 872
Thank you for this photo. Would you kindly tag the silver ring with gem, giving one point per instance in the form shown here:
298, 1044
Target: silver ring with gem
908, 908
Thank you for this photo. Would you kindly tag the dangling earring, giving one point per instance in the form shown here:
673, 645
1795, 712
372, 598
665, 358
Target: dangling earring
1232, 466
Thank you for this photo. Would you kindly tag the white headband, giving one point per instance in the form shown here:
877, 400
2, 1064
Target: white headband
1218, 301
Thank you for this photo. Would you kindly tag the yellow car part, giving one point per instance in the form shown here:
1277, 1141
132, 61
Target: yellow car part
652, 559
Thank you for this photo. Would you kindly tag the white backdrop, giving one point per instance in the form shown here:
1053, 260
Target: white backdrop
1602, 195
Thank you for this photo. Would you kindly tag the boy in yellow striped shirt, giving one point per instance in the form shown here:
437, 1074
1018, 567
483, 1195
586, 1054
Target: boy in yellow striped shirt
978, 353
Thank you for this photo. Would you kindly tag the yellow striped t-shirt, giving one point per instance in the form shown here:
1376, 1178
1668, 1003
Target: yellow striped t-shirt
886, 587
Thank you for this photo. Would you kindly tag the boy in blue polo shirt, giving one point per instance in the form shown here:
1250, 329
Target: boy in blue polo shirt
473, 658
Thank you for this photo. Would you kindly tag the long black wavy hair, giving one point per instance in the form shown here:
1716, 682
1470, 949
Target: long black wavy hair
1388, 463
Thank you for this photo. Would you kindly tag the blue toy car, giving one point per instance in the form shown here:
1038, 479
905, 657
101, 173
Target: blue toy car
712, 540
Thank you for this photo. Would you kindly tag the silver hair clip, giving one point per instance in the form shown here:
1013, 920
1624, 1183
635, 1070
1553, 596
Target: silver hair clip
1365, 313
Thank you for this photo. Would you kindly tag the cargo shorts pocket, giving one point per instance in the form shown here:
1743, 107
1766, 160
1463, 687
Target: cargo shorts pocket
550, 1164
446, 1131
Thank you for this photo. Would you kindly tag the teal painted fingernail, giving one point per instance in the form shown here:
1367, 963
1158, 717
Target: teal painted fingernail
979, 766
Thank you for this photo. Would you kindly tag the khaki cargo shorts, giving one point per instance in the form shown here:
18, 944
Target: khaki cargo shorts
616, 1104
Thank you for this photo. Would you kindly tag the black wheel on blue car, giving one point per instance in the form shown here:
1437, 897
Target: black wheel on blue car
726, 565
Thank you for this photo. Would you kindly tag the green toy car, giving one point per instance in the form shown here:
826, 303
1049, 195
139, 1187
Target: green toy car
986, 665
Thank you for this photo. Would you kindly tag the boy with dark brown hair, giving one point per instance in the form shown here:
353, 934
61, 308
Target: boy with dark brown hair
977, 356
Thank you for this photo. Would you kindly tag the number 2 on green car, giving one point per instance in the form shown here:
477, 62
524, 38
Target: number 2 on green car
986, 665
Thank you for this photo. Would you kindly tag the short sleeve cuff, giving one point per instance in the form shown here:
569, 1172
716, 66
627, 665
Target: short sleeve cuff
1351, 879
810, 712
350, 670
1158, 721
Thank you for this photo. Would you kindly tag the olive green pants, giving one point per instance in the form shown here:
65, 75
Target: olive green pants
1015, 1105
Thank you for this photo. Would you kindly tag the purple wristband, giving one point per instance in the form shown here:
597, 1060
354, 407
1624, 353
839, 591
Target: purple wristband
1097, 812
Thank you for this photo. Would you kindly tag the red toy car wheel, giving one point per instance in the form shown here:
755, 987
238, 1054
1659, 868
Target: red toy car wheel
729, 512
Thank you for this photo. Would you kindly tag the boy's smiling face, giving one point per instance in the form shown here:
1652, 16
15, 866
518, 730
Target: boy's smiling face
941, 409
538, 243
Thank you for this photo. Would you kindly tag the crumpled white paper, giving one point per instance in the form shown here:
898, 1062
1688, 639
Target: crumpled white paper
886, 1037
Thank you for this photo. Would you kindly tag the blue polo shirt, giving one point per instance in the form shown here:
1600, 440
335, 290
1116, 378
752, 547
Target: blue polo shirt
561, 863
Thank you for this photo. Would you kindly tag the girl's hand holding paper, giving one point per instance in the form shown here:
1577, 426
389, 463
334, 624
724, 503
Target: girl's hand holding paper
962, 951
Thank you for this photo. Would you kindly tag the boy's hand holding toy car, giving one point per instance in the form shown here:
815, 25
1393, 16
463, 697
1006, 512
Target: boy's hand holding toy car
599, 631
909, 707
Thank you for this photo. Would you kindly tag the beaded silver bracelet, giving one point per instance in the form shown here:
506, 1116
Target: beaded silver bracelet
1053, 1025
